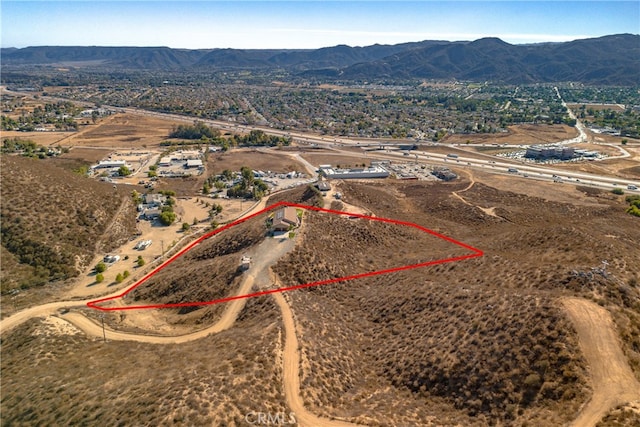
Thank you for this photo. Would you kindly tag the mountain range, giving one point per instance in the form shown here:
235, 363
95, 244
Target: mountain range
609, 60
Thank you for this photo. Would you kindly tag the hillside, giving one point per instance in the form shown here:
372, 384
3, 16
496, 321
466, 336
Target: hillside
605, 60
478, 342
207, 272
51, 378
54, 221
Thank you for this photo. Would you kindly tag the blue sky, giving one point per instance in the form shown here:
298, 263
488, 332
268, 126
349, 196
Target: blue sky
306, 24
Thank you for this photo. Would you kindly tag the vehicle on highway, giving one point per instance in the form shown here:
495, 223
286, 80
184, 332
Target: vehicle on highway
453, 156
512, 170
631, 187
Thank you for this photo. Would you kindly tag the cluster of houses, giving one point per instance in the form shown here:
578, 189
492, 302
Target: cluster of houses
151, 206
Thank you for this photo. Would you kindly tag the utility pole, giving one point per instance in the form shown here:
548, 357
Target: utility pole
162, 246
104, 334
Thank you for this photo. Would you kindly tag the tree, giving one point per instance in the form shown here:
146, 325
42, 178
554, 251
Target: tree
247, 176
167, 217
185, 226
124, 171
140, 261
119, 278
227, 174
99, 278
624, 141
100, 267
126, 274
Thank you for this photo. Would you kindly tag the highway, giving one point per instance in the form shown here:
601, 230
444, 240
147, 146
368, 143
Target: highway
529, 171
514, 169
504, 167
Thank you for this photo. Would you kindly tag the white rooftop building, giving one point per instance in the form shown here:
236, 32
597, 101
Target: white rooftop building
355, 173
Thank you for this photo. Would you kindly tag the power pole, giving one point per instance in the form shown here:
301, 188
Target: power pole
104, 334
162, 246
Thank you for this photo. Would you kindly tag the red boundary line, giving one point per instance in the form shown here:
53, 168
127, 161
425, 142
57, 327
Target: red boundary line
476, 253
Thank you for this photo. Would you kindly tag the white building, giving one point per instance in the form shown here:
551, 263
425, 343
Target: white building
356, 173
109, 164
194, 164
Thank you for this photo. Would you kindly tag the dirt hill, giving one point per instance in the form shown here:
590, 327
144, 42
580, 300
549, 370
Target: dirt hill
477, 342
55, 221
207, 272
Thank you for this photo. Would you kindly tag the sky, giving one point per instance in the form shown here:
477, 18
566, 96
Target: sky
304, 24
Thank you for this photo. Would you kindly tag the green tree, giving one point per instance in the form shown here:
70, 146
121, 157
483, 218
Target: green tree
186, 226
124, 171
119, 278
247, 177
126, 274
100, 267
140, 261
99, 278
167, 217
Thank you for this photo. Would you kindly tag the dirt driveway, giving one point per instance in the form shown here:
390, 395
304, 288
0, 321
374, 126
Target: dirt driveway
612, 380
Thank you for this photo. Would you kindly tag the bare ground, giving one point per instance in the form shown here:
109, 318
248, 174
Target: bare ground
612, 380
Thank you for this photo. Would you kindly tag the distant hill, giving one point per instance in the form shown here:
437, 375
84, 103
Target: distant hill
610, 60
54, 221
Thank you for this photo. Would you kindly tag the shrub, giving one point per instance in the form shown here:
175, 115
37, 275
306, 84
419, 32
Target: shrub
186, 226
140, 261
99, 278
100, 267
617, 191
119, 278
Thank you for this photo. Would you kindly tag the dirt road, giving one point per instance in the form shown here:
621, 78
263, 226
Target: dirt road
612, 380
291, 375
43, 310
264, 255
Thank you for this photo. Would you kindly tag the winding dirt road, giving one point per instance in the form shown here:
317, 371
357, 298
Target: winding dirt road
612, 380
291, 375
270, 250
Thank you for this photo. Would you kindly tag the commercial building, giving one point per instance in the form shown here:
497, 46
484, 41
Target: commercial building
355, 173
110, 164
194, 164
540, 152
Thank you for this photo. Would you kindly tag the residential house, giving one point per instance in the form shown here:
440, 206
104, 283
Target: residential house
285, 218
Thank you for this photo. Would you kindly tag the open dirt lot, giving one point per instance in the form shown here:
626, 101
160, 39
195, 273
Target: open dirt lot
521, 134
255, 159
327, 157
123, 131
41, 138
